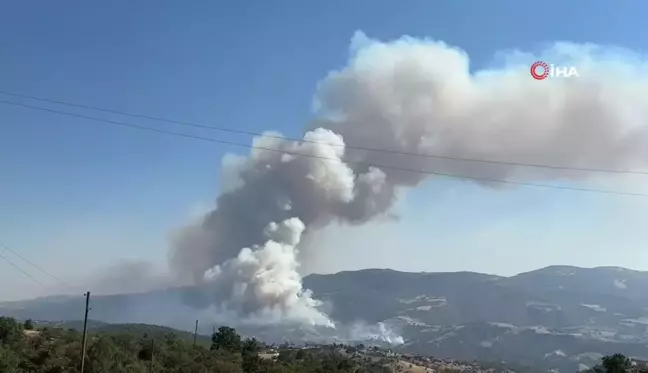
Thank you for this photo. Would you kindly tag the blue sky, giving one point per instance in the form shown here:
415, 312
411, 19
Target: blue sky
76, 196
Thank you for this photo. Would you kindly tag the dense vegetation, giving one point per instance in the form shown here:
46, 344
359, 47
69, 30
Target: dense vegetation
618, 363
148, 348
133, 349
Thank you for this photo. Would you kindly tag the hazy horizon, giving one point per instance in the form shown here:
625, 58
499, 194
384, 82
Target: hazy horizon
101, 207
162, 288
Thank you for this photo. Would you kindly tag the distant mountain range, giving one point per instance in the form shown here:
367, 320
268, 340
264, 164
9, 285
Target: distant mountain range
556, 317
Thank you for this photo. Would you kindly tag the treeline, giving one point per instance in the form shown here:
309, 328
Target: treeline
135, 349
54, 350
619, 363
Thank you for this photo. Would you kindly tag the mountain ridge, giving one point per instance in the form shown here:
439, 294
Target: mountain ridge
364, 270
542, 269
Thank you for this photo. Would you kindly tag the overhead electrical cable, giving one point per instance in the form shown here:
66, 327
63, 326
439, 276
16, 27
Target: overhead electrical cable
349, 146
365, 164
20, 269
37, 267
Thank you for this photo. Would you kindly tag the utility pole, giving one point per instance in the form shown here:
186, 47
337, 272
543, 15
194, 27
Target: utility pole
195, 335
152, 354
85, 331
193, 348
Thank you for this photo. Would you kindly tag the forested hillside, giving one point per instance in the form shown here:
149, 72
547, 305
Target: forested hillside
134, 348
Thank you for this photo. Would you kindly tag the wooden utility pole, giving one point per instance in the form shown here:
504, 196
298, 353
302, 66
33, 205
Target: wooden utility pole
85, 331
152, 354
193, 348
195, 335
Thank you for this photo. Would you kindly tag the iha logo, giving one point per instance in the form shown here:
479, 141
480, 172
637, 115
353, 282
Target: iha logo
541, 70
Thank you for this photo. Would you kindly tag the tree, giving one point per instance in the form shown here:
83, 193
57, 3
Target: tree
616, 363
286, 356
9, 361
28, 325
250, 354
226, 338
105, 356
10, 331
301, 354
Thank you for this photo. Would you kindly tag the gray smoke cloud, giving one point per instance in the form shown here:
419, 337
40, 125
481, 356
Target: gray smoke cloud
407, 95
127, 277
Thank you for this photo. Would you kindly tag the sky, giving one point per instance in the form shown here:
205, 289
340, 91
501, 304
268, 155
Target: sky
78, 198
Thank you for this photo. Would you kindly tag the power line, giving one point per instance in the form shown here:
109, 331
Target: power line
365, 164
349, 146
5, 247
20, 269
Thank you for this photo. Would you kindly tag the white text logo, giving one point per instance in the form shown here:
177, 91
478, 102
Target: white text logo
541, 70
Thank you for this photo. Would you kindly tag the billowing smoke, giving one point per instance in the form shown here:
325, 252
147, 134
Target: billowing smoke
415, 96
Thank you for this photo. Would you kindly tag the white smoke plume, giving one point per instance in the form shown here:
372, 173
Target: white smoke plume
379, 333
407, 95
268, 275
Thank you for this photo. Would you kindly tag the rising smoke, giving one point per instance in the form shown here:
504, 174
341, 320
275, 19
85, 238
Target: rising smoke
408, 95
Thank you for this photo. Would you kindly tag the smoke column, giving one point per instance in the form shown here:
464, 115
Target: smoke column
406, 95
